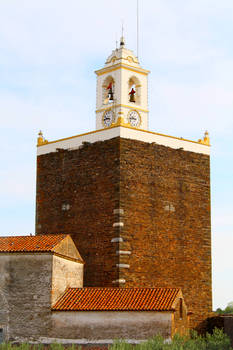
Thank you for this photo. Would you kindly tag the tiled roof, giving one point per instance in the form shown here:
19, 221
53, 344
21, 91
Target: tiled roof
117, 299
40, 243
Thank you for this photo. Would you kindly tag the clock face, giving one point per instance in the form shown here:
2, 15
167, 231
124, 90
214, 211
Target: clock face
134, 118
108, 118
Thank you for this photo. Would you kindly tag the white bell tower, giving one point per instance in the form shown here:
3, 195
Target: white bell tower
122, 91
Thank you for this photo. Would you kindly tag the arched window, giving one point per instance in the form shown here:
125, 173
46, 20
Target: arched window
108, 90
134, 90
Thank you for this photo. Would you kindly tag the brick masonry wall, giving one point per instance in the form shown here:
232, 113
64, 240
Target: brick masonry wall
85, 182
165, 195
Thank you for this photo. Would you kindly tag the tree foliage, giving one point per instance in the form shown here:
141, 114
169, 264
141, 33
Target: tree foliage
227, 311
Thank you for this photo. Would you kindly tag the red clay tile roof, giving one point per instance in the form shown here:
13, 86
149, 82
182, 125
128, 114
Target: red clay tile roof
117, 299
40, 243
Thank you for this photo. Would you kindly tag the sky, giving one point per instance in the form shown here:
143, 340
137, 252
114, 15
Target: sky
49, 50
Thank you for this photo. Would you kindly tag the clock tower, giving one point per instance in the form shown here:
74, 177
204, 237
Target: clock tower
122, 91
136, 202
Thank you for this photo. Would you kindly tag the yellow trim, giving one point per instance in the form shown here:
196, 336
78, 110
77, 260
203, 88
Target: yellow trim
137, 108
125, 66
40, 139
128, 127
73, 137
114, 58
206, 139
126, 106
172, 137
120, 122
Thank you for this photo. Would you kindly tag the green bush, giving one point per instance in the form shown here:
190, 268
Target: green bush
216, 341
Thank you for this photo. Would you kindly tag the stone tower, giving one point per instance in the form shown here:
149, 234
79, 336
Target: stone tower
136, 203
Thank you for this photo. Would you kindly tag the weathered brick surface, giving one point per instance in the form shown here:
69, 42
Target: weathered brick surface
169, 247
87, 179
165, 194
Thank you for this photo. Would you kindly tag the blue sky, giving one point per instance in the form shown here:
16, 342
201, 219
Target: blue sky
49, 50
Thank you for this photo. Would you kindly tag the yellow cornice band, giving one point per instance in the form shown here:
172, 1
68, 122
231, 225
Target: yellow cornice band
129, 58
128, 127
119, 66
126, 106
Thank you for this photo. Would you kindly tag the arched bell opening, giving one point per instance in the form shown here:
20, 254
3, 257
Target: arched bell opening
108, 90
134, 90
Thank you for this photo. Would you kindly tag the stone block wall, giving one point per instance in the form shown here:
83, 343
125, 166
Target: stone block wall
180, 318
139, 214
26, 283
77, 191
165, 194
105, 326
25, 291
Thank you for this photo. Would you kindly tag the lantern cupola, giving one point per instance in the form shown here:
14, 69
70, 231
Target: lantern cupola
122, 90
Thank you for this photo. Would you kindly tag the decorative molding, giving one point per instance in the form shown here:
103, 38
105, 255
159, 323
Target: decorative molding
126, 106
129, 59
41, 140
120, 122
120, 66
206, 139
128, 132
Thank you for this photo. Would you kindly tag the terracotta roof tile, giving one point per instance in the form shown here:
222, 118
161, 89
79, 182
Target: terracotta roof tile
40, 243
117, 299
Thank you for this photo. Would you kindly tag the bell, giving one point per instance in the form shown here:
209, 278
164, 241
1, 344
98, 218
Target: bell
132, 95
132, 98
110, 95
